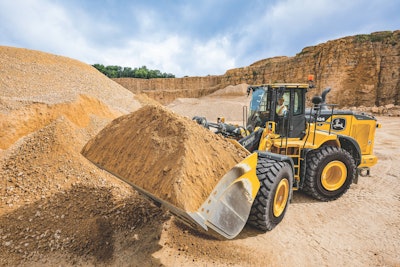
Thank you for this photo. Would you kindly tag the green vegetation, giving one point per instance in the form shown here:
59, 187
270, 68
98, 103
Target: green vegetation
375, 37
360, 38
127, 72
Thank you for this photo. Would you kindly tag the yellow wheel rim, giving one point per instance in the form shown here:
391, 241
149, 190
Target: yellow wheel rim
281, 197
334, 175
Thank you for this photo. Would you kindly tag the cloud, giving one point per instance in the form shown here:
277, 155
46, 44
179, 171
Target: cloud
173, 54
41, 25
284, 28
186, 37
213, 56
72, 32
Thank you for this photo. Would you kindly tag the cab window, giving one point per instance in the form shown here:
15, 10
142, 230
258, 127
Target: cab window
298, 102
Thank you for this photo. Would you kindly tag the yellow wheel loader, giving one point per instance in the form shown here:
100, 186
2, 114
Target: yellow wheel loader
318, 151
326, 149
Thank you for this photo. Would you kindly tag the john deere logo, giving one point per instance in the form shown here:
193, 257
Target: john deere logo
338, 124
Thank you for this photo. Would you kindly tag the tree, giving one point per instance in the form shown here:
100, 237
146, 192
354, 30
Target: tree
143, 72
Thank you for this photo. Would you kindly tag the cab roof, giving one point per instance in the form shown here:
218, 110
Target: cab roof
280, 85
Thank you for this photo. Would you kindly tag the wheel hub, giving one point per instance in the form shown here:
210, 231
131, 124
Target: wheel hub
281, 197
334, 175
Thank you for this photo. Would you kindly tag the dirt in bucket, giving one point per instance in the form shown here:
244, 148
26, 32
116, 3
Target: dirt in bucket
164, 153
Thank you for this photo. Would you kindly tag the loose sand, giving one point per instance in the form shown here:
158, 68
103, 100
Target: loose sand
166, 154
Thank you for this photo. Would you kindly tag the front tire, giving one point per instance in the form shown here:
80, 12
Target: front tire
329, 173
273, 197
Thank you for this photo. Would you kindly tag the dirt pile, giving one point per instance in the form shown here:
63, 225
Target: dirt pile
232, 90
229, 102
28, 76
57, 208
31, 118
54, 203
166, 154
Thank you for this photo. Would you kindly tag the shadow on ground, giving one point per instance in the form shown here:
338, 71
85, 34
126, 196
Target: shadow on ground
86, 225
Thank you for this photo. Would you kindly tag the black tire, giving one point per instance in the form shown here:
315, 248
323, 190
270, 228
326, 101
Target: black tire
273, 197
329, 173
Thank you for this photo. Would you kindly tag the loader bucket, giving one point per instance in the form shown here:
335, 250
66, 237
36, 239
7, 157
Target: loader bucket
204, 179
227, 208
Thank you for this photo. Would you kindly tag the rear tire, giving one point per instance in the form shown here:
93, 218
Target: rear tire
273, 197
329, 173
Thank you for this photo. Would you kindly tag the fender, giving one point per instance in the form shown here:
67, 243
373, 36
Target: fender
351, 145
277, 157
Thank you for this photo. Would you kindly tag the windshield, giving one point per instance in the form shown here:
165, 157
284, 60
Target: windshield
259, 110
256, 98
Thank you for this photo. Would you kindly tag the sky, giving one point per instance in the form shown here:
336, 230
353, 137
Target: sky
187, 37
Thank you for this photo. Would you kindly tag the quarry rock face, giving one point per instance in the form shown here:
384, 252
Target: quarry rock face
362, 70
166, 90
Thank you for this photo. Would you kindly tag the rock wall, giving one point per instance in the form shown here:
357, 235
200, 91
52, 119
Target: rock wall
166, 90
362, 70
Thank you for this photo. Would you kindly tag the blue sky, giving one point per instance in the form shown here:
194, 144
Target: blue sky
194, 38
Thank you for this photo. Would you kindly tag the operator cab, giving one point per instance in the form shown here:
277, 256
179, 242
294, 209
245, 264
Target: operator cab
283, 104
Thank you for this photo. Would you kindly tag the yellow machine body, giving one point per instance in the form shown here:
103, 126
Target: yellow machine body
359, 127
